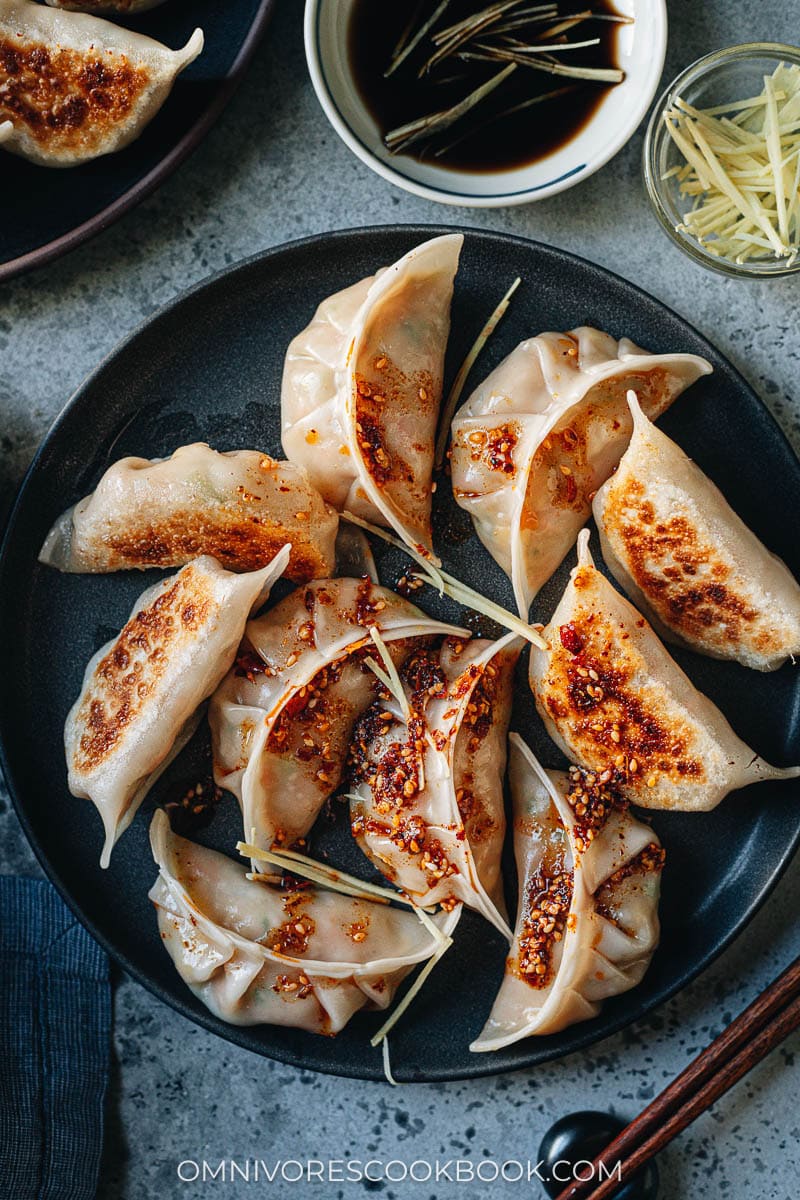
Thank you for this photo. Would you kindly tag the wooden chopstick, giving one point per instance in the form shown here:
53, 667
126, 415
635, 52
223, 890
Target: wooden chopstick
763, 1025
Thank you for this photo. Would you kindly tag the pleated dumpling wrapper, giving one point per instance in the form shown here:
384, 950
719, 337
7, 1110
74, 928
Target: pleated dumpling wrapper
142, 691
308, 958
240, 507
120, 8
282, 719
76, 86
427, 801
703, 579
362, 387
538, 437
616, 703
589, 882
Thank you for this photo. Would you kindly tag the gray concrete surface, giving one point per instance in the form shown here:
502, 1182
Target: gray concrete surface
273, 170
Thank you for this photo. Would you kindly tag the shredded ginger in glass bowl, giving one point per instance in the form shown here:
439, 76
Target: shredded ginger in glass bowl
722, 160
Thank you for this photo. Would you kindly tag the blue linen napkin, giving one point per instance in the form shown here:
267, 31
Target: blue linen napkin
55, 1023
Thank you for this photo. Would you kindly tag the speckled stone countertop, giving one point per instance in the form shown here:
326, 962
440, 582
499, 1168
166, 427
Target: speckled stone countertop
271, 171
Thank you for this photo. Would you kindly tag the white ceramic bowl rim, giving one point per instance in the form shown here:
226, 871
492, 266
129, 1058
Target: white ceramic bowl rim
441, 193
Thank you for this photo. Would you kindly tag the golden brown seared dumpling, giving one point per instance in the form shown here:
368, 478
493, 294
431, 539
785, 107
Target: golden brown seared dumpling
675, 545
614, 700
540, 435
141, 694
362, 386
240, 507
75, 87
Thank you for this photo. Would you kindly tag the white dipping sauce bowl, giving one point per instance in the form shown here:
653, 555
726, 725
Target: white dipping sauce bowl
641, 49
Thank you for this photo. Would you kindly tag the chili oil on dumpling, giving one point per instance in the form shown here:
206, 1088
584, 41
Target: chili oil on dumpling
610, 695
427, 798
534, 442
589, 882
142, 692
282, 720
700, 576
362, 387
305, 957
75, 86
240, 506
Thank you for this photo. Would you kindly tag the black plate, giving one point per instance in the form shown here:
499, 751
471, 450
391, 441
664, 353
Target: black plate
209, 366
44, 212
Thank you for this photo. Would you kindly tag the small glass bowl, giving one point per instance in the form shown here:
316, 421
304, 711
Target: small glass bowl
726, 75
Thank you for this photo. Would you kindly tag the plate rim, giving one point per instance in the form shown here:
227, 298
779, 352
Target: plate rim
482, 1066
57, 247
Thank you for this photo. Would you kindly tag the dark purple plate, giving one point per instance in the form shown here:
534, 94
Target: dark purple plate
208, 367
45, 212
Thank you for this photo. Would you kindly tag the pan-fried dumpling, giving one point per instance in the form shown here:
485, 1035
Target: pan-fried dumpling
540, 435
282, 720
120, 8
75, 86
675, 545
6, 129
254, 955
615, 701
142, 691
427, 805
587, 922
362, 387
240, 507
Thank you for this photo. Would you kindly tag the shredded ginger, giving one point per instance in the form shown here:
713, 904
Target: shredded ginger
742, 170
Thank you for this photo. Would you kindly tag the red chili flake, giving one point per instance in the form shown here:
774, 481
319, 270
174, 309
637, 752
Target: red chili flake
248, 664
571, 640
293, 883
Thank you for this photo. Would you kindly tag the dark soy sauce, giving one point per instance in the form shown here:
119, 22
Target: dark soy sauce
483, 140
